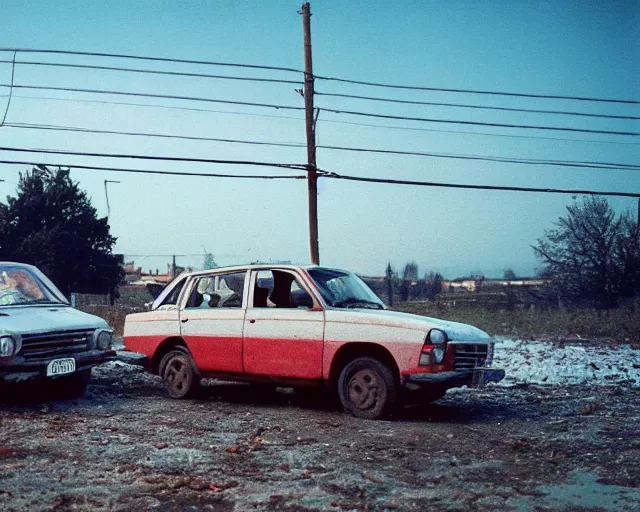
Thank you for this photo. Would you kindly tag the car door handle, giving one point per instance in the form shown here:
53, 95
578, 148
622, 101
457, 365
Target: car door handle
184, 320
252, 321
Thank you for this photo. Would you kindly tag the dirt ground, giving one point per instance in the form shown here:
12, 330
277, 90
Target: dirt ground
126, 445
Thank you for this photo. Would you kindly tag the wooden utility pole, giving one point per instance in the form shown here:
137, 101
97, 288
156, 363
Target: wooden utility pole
312, 175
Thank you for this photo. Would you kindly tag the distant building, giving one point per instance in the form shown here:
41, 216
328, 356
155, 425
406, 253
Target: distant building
474, 285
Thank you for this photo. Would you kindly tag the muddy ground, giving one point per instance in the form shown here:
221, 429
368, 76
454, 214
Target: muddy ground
126, 446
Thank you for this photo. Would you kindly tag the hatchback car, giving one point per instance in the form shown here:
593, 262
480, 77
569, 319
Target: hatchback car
303, 326
42, 337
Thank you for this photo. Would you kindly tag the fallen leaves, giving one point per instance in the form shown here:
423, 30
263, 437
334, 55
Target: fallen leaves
222, 487
588, 409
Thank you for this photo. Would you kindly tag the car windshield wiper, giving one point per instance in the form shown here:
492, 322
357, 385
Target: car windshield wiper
44, 301
354, 302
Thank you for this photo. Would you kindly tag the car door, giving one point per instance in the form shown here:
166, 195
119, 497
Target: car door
144, 332
283, 327
212, 320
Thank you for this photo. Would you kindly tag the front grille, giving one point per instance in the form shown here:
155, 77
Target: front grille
53, 345
470, 355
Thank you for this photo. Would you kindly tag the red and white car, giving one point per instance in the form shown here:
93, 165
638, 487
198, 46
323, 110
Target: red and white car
303, 326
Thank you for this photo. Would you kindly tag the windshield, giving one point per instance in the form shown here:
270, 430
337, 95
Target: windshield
344, 289
21, 285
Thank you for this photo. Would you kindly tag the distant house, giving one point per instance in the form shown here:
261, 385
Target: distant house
131, 273
474, 285
134, 276
460, 285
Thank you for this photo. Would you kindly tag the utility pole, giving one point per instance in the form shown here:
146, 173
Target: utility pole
312, 174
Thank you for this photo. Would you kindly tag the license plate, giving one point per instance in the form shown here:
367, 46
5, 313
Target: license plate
61, 366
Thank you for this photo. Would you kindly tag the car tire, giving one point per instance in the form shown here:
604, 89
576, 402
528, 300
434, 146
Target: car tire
179, 374
72, 386
368, 389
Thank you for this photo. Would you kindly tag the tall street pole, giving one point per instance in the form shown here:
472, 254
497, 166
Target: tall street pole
312, 175
106, 195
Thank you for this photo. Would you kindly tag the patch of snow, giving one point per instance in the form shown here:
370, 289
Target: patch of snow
539, 362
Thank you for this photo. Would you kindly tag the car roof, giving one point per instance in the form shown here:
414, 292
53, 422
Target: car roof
16, 264
253, 266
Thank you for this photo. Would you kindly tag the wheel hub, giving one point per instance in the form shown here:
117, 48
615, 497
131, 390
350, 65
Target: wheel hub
363, 389
178, 374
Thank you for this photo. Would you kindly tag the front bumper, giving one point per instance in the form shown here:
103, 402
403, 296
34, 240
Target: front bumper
19, 370
476, 377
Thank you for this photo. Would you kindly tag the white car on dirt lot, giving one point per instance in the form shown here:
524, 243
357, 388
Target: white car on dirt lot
42, 338
304, 326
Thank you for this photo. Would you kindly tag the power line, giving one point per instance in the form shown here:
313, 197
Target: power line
333, 175
167, 173
484, 107
390, 127
477, 91
528, 161
150, 95
170, 107
489, 158
154, 72
142, 134
318, 77
478, 123
477, 187
484, 134
335, 111
155, 158
153, 59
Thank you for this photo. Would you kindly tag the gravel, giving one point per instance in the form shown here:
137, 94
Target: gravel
570, 442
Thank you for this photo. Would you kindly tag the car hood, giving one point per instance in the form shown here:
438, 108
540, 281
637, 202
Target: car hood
37, 319
455, 331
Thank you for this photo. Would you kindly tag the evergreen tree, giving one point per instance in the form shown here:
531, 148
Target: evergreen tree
52, 225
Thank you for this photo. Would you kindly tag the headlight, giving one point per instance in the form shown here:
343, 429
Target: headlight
438, 338
9, 345
102, 339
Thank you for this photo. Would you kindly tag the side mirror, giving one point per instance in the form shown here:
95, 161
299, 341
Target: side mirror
147, 306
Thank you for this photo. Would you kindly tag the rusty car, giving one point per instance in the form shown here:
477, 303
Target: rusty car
303, 326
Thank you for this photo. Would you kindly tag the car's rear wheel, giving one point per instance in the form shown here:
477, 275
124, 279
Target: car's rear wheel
368, 388
179, 374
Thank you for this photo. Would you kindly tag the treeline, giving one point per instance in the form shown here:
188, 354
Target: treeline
406, 286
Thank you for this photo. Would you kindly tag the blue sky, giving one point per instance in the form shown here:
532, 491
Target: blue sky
556, 48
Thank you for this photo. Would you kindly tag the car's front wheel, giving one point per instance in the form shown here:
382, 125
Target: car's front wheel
368, 388
72, 386
179, 374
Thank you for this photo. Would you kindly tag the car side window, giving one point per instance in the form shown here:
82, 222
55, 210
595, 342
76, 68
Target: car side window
172, 299
279, 289
218, 291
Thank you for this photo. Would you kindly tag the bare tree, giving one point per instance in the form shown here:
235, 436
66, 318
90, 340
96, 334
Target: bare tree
509, 274
592, 256
432, 284
389, 276
409, 275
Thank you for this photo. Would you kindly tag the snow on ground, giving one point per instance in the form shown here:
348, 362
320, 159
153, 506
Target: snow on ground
539, 362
